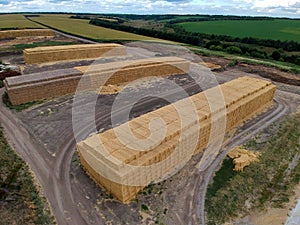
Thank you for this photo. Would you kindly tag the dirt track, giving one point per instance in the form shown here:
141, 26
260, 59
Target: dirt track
44, 138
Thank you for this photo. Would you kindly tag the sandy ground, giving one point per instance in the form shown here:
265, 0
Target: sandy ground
271, 216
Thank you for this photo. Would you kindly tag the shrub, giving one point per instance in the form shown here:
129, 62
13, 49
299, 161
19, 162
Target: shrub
216, 48
144, 207
233, 50
276, 55
233, 63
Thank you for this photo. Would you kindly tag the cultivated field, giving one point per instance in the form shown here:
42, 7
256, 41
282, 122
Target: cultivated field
82, 28
265, 29
16, 21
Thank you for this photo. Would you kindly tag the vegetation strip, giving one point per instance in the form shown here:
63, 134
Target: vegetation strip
20, 107
20, 200
243, 59
269, 182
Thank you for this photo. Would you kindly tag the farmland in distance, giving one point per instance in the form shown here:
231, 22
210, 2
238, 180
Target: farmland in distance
9, 21
277, 29
81, 27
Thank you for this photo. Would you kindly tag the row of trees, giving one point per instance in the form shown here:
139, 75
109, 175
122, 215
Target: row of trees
201, 18
175, 18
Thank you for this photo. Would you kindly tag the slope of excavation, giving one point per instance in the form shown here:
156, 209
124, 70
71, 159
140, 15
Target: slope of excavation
72, 52
50, 84
26, 33
125, 163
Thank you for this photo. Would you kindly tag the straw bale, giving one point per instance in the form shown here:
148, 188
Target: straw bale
50, 84
5, 34
242, 157
72, 52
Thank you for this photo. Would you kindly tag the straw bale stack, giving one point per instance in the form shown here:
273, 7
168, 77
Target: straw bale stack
44, 85
5, 34
72, 52
121, 164
50, 84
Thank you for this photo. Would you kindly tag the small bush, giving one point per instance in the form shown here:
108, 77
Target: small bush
233, 63
216, 48
233, 50
144, 207
276, 55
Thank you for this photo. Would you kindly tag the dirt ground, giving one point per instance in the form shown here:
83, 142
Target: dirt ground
52, 120
51, 125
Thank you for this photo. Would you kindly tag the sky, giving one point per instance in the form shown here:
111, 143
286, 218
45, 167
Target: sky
276, 8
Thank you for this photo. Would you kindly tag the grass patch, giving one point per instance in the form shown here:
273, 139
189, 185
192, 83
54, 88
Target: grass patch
20, 202
40, 44
222, 177
268, 182
20, 107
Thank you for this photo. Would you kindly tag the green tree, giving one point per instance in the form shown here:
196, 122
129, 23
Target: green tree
276, 55
233, 50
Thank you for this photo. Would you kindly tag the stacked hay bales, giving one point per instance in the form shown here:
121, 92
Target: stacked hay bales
6, 34
120, 164
50, 84
44, 85
127, 71
72, 52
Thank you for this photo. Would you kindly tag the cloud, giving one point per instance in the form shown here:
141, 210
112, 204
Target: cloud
272, 3
286, 8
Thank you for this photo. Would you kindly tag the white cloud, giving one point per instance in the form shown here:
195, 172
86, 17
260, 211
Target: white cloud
272, 3
287, 8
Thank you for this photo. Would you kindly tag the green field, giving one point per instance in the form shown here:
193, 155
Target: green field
82, 28
16, 21
264, 29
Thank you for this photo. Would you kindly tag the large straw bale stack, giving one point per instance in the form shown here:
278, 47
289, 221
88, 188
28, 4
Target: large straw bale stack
5, 34
44, 85
107, 158
50, 84
72, 52
127, 71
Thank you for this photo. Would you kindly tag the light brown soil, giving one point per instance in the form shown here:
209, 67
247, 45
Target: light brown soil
271, 216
